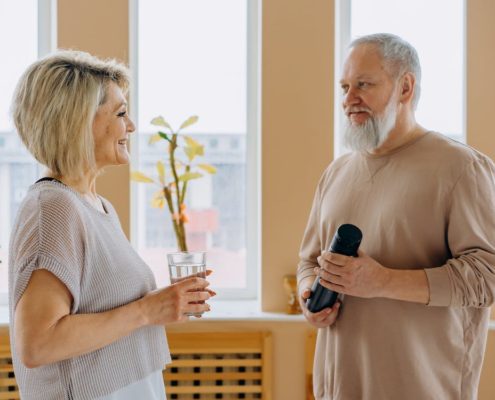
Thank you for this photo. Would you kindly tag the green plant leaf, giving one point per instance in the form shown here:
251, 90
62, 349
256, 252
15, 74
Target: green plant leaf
208, 168
189, 122
160, 121
155, 138
160, 167
189, 176
140, 177
163, 135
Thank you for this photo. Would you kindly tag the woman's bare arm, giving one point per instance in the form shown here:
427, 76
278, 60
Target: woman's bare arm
46, 332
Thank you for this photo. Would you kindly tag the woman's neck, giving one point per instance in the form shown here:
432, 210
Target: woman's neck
85, 185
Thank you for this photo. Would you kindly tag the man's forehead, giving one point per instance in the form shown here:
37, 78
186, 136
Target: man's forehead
363, 61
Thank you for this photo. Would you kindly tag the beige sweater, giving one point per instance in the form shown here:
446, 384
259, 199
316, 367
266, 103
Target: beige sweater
430, 204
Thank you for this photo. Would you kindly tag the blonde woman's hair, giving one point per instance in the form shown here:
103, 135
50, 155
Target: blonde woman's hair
54, 106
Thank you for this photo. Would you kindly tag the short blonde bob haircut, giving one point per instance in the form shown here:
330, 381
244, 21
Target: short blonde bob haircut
54, 106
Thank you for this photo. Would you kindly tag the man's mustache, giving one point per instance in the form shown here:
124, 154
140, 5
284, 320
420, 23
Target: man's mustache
351, 110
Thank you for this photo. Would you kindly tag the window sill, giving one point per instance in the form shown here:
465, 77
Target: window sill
244, 310
221, 310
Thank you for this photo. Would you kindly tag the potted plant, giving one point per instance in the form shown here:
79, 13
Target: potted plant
175, 173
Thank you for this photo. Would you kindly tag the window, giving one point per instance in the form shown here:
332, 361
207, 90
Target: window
436, 30
28, 21
192, 57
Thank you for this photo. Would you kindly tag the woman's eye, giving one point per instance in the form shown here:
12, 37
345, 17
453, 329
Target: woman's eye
122, 114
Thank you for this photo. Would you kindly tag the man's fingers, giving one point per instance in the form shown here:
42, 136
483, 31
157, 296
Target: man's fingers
333, 287
334, 258
336, 279
327, 316
306, 293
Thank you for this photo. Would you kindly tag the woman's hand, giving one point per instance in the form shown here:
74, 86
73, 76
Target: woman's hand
323, 318
46, 332
173, 303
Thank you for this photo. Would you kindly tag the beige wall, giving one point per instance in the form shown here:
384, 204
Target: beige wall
100, 28
297, 121
297, 138
480, 99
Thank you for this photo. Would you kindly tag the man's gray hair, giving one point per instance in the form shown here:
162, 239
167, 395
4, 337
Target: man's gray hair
398, 54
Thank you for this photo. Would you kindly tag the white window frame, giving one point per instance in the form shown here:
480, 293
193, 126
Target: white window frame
253, 154
342, 40
47, 39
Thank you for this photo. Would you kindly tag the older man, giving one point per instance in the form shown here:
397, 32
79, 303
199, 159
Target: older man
412, 318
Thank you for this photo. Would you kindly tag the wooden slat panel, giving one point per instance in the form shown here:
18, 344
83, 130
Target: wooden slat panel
310, 351
7, 382
227, 348
9, 395
204, 342
267, 366
215, 350
228, 362
211, 376
4, 336
213, 389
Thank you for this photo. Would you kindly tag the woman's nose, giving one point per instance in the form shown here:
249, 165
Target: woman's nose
130, 126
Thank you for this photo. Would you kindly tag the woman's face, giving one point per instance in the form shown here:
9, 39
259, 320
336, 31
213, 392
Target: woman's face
111, 129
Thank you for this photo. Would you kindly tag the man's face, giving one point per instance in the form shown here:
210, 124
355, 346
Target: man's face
370, 99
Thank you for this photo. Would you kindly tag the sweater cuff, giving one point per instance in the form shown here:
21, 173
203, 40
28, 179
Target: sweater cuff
440, 286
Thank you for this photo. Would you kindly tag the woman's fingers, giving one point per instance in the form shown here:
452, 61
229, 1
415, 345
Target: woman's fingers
197, 296
193, 283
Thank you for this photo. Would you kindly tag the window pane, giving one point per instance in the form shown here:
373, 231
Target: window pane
19, 20
436, 30
192, 61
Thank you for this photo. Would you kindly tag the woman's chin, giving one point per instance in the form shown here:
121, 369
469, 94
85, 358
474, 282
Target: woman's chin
122, 157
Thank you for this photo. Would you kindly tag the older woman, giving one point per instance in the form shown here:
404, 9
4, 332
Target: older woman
86, 318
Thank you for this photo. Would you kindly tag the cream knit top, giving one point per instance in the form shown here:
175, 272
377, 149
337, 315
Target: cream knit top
57, 230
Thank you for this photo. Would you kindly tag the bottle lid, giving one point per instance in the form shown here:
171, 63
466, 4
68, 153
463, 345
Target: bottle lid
346, 240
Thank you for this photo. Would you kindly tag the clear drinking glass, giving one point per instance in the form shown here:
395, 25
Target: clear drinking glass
186, 264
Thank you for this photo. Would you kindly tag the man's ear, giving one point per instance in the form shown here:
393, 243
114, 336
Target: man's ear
407, 87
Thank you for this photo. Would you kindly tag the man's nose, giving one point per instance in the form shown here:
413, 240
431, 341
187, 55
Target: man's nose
351, 98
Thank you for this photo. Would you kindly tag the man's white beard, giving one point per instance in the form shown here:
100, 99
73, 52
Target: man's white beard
372, 133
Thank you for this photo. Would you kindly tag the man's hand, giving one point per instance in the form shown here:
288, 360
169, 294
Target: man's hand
321, 319
359, 276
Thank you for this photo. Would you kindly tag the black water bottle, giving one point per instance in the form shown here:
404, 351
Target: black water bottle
346, 241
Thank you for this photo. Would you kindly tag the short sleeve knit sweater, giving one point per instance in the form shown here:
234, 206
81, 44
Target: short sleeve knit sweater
57, 230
